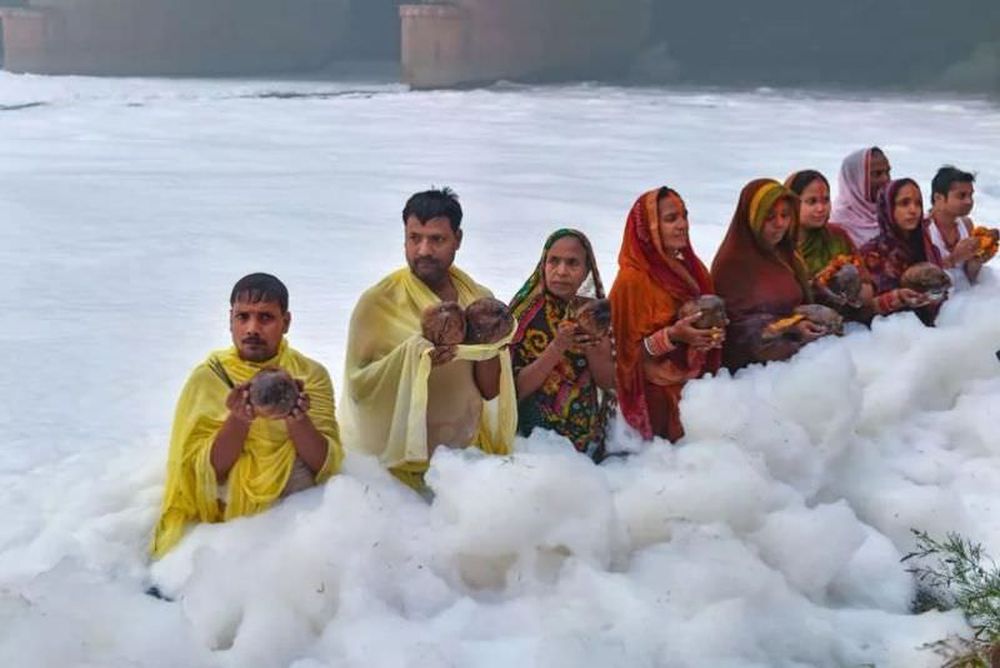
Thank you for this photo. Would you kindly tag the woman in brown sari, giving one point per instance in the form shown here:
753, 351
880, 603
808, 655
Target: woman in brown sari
658, 272
762, 277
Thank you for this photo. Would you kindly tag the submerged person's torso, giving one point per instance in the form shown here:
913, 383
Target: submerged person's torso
454, 405
959, 280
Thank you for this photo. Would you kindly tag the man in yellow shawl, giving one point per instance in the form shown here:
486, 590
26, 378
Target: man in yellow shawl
406, 396
226, 460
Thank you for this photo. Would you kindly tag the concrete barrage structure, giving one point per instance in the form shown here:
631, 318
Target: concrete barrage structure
474, 41
183, 37
446, 44
895, 43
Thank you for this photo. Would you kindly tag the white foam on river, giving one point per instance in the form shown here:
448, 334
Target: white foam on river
770, 537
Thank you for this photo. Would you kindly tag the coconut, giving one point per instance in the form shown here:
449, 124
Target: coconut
488, 320
593, 316
713, 312
443, 324
273, 393
823, 316
846, 284
928, 279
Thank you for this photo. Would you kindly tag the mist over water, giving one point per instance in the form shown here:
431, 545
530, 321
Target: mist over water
771, 536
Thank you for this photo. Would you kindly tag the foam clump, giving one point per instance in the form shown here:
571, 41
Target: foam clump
772, 534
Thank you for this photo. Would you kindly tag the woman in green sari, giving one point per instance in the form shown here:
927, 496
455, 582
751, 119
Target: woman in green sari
826, 248
563, 376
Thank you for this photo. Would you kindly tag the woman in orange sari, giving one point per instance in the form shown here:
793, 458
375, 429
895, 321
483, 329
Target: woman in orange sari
657, 353
759, 273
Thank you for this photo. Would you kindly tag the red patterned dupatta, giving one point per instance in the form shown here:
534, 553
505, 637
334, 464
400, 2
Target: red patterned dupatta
651, 286
890, 253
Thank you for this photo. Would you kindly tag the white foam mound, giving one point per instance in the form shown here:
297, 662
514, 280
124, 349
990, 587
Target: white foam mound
771, 536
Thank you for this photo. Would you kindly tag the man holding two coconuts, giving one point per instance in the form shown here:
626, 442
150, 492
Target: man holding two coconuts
427, 360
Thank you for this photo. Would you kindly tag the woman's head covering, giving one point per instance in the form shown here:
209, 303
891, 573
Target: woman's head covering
893, 250
745, 264
891, 237
757, 282
682, 274
532, 293
652, 284
531, 299
853, 209
886, 210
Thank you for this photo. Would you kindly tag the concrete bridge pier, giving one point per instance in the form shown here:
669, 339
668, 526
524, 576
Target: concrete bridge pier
477, 41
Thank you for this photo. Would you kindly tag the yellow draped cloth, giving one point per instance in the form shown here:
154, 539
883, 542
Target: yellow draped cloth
388, 364
260, 474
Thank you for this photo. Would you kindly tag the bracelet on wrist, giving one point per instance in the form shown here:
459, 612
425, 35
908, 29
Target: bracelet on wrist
658, 343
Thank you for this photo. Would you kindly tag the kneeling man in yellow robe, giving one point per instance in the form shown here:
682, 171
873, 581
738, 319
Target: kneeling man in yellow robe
226, 461
405, 396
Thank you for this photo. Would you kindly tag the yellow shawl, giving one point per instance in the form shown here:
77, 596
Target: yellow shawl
262, 470
388, 365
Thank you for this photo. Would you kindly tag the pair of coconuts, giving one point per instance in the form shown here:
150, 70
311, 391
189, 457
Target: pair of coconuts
489, 320
841, 284
486, 320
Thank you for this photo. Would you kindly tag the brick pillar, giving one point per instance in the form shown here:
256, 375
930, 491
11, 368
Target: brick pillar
25, 38
435, 49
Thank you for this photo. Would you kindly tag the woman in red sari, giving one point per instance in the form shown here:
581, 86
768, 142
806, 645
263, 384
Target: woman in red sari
762, 277
657, 353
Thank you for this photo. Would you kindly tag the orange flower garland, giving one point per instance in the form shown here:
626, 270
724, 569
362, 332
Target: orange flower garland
988, 242
836, 264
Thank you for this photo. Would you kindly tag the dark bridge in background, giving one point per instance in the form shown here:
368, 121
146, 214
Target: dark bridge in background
443, 44
855, 42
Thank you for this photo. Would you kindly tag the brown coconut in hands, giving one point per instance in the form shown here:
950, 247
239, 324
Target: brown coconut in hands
487, 320
842, 286
713, 312
927, 279
592, 316
273, 393
822, 316
443, 324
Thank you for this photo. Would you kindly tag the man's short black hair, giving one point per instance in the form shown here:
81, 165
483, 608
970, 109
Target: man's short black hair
260, 288
434, 203
946, 177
